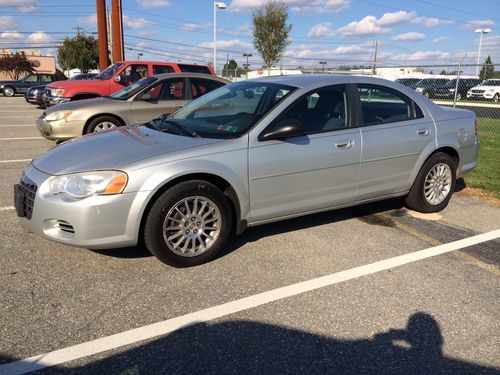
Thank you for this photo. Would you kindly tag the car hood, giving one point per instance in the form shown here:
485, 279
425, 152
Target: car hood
113, 149
80, 84
78, 104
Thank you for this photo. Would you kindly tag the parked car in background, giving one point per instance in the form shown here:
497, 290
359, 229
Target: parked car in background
489, 90
21, 86
427, 86
35, 94
448, 91
114, 78
140, 102
246, 154
408, 81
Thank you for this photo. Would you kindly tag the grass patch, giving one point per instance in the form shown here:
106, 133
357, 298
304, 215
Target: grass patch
487, 174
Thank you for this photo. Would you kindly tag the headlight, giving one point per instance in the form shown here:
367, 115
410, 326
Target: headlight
419, 89
83, 185
58, 115
56, 92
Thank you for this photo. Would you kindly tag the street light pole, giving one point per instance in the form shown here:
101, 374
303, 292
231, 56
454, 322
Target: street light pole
217, 5
323, 63
481, 33
139, 56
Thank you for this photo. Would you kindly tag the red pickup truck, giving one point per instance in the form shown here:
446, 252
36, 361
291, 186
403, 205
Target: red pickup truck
114, 78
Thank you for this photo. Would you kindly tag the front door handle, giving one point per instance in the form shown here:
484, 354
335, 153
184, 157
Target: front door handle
423, 131
344, 144
178, 106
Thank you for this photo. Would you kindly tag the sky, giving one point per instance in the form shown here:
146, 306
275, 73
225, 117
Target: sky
338, 32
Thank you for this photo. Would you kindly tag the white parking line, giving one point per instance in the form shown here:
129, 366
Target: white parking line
15, 161
10, 208
19, 138
167, 326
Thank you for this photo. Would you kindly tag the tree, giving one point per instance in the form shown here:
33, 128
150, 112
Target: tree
270, 32
16, 65
80, 52
230, 68
488, 70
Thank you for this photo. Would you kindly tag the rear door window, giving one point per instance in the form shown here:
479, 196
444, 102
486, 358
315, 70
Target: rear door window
382, 105
193, 68
161, 69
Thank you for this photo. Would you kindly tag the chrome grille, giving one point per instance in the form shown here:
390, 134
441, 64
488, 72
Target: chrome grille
28, 188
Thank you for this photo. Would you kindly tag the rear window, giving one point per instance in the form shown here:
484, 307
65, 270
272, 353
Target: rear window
194, 68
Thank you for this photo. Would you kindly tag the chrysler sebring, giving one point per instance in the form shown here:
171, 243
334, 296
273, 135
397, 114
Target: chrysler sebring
246, 154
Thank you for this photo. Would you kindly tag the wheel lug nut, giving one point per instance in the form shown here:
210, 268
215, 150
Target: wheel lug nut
193, 219
195, 231
187, 231
198, 223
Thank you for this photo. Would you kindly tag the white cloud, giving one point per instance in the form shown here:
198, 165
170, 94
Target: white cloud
440, 39
192, 27
395, 18
148, 4
434, 56
87, 20
24, 6
11, 35
136, 23
364, 27
39, 37
409, 37
430, 21
321, 30
474, 24
298, 6
228, 44
7, 22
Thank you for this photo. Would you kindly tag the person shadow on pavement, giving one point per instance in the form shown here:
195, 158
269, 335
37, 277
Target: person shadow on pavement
251, 347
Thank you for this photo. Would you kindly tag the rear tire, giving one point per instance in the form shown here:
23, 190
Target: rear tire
434, 185
8, 91
189, 224
100, 124
496, 98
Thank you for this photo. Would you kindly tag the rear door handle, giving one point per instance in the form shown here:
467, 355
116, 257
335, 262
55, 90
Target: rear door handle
423, 132
344, 144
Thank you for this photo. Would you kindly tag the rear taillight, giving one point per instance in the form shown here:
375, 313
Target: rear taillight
476, 126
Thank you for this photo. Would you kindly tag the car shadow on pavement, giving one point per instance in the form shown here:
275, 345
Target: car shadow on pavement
249, 347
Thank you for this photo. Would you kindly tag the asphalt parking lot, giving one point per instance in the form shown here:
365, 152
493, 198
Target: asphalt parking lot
346, 291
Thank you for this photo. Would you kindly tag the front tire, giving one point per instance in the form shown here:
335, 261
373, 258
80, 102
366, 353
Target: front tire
101, 124
496, 98
189, 224
434, 185
8, 91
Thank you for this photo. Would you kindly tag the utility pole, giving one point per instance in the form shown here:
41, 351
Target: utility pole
374, 68
117, 27
102, 34
323, 63
78, 28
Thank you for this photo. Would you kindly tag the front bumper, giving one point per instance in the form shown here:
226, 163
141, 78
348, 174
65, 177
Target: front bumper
49, 101
60, 130
97, 222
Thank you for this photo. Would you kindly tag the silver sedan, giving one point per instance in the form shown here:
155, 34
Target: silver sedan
140, 102
246, 154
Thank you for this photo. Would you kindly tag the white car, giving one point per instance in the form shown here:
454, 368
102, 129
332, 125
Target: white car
489, 89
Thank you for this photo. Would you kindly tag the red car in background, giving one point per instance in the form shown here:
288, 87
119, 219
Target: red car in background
114, 78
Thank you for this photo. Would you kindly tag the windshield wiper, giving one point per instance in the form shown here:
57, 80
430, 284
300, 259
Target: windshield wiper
180, 126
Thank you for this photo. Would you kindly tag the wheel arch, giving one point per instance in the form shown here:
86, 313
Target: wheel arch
92, 118
238, 225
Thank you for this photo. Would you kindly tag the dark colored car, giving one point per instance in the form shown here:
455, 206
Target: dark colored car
21, 86
448, 91
408, 81
427, 86
34, 95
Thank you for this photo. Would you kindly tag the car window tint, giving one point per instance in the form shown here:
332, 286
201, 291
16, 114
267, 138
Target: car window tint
193, 68
31, 79
382, 105
200, 86
161, 69
172, 89
45, 78
136, 72
319, 111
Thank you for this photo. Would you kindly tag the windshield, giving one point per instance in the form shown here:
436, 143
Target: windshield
129, 91
491, 82
109, 71
231, 110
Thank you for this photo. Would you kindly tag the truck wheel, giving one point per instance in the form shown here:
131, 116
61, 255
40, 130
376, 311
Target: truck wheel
496, 97
434, 185
189, 224
8, 91
100, 124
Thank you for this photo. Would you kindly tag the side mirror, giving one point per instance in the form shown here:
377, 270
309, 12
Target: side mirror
284, 129
118, 79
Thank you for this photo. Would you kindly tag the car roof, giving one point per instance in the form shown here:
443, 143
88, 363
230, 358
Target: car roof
191, 75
